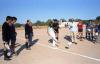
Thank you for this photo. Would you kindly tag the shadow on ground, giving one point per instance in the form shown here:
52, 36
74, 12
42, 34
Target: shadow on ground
68, 38
23, 46
1, 52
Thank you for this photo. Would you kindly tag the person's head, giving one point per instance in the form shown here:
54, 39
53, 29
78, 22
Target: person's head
50, 24
71, 20
9, 19
80, 21
91, 21
30, 23
14, 20
55, 20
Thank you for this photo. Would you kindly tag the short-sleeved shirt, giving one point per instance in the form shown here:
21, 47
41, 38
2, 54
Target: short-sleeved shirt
73, 27
80, 25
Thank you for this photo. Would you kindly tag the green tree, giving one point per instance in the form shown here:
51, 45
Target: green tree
18, 25
85, 21
48, 21
39, 23
98, 19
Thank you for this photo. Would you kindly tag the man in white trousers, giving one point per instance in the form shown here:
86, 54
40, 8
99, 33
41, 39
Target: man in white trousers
73, 30
52, 35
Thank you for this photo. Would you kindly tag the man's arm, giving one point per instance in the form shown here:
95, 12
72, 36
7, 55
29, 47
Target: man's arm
3, 32
26, 31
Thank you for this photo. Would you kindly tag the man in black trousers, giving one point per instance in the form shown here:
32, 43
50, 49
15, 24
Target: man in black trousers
13, 34
28, 34
6, 35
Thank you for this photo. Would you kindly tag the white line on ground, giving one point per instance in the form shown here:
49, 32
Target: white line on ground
84, 56
70, 52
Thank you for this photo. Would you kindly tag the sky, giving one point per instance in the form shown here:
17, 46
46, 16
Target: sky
49, 9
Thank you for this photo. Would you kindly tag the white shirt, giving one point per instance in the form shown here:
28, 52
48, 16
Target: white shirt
51, 32
73, 26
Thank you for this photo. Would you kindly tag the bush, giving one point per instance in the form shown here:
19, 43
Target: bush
39, 23
18, 25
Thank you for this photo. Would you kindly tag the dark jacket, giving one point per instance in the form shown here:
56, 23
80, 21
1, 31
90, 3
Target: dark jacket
97, 28
5, 32
56, 27
28, 29
13, 32
12, 28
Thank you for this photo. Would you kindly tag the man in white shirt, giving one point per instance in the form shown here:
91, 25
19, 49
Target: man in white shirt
73, 29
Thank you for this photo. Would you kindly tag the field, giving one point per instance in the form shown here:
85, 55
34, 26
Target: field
85, 52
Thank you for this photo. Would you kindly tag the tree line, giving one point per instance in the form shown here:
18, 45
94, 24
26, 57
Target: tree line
42, 23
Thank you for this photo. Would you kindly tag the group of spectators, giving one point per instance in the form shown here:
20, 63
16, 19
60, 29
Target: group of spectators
9, 35
77, 30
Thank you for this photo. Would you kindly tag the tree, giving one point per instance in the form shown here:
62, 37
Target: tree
85, 21
18, 25
98, 19
48, 21
39, 23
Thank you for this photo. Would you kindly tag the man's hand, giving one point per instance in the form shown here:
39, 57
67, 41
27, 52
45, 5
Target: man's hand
32, 34
26, 36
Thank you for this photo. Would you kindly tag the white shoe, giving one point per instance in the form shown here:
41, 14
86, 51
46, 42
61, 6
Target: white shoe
69, 44
54, 47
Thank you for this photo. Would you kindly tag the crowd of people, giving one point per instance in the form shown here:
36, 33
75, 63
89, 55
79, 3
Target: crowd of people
76, 30
9, 36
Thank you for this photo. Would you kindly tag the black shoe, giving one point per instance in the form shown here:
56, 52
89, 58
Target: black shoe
67, 47
26, 44
15, 53
7, 59
28, 48
30, 45
81, 40
57, 38
74, 42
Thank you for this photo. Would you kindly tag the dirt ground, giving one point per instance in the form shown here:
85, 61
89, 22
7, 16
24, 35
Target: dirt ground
85, 52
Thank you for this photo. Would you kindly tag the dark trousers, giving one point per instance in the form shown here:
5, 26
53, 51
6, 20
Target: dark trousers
12, 47
89, 36
13, 40
28, 43
5, 49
